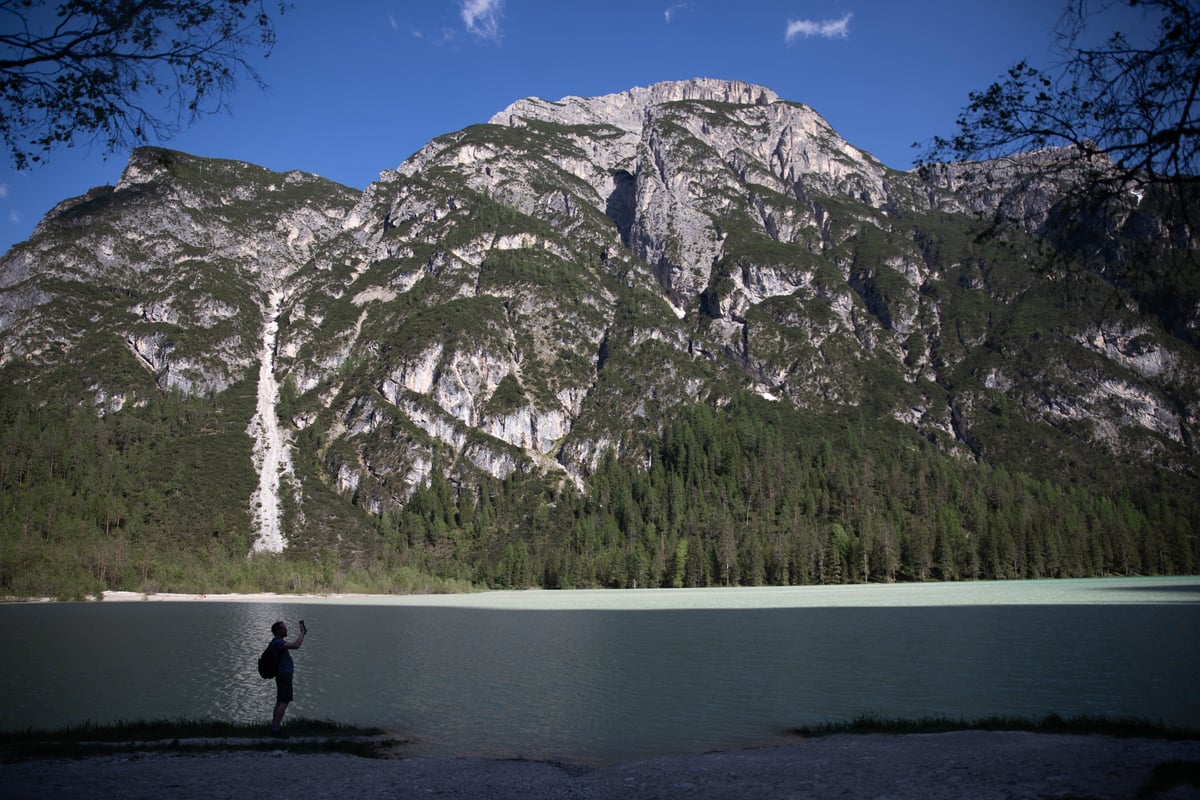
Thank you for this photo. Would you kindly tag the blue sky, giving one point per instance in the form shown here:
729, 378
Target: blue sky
356, 87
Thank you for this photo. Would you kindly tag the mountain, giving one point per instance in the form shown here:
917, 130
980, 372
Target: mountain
680, 334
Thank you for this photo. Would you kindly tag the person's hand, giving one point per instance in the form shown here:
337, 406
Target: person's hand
303, 627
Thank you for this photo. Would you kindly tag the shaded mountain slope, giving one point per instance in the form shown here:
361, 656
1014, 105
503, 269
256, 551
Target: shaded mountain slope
526, 311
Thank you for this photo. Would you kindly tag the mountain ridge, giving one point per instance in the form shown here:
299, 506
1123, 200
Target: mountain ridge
528, 298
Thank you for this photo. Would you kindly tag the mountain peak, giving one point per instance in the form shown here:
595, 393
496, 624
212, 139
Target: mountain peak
627, 109
694, 281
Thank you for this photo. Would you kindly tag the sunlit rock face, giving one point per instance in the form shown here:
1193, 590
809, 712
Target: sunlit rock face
523, 296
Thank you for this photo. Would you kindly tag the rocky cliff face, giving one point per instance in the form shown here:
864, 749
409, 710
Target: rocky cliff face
522, 296
167, 272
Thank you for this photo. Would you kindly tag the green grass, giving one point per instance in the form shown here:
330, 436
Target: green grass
1053, 723
326, 736
183, 735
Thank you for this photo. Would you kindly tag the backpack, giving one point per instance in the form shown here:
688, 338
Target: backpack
268, 663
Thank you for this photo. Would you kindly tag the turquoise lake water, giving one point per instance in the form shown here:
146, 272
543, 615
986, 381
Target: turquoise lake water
601, 676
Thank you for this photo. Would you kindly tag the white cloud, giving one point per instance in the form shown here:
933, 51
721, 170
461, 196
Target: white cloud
669, 14
827, 29
482, 17
3, 190
14, 216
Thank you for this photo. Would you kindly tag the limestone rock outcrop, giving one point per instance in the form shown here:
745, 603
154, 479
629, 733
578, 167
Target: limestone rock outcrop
524, 295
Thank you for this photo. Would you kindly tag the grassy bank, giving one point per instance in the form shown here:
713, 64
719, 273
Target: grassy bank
324, 736
192, 736
1053, 723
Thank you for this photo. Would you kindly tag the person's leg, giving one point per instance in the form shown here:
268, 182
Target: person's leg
283, 696
277, 717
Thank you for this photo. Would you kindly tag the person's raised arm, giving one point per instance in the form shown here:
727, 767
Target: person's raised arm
294, 644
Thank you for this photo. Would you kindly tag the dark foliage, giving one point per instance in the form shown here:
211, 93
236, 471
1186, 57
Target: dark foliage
753, 495
82, 69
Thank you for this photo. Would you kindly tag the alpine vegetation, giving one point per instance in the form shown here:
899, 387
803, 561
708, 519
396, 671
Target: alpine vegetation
680, 335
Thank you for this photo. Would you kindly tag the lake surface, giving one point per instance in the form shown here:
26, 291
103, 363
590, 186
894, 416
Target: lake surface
602, 676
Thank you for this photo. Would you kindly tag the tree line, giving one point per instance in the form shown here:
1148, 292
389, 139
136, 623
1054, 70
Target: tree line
736, 497
156, 499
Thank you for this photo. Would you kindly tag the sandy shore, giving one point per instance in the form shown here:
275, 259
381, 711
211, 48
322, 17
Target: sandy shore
968, 764
168, 597
261, 597
269, 597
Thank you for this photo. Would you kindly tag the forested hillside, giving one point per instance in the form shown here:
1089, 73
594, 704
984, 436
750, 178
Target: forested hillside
683, 335
749, 494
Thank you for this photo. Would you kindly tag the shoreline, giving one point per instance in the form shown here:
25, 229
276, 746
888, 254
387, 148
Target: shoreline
110, 596
936, 593
1062, 591
978, 764
239, 597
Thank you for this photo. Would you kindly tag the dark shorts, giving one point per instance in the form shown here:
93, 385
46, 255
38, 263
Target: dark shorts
283, 688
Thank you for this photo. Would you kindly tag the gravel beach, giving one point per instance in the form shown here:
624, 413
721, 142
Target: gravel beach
967, 764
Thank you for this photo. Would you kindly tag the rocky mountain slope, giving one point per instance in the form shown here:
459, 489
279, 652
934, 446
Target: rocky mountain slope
524, 296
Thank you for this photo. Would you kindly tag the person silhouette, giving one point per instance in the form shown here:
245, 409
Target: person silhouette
284, 671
